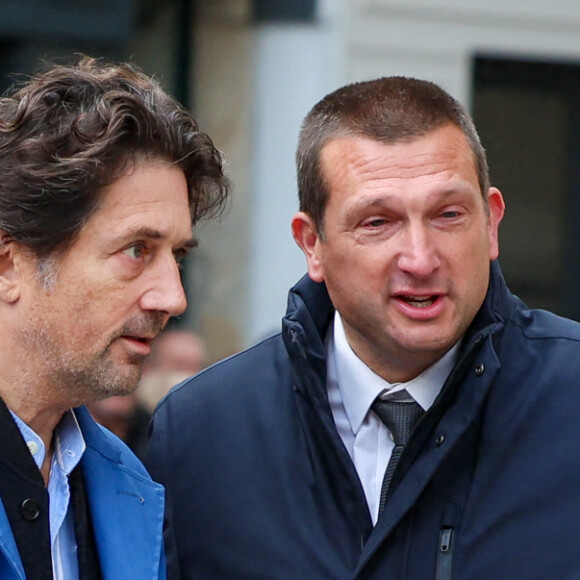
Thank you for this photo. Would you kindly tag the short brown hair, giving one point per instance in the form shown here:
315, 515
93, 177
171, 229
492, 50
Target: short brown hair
70, 131
389, 110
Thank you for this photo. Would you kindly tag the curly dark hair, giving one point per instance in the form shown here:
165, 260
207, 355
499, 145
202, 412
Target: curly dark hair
70, 131
388, 110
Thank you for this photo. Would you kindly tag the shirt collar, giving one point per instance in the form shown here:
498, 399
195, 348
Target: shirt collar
359, 386
69, 443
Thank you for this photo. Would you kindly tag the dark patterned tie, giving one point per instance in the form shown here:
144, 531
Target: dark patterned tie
400, 419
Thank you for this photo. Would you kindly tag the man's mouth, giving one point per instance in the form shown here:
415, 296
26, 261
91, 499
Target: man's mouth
142, 339
419, 301
138, 346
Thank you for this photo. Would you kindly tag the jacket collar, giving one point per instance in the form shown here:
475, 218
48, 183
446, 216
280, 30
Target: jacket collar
309, 306
496, 307
94, 436
304, 328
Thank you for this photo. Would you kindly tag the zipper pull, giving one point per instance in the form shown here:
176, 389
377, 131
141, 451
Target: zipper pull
445, 555
446, 540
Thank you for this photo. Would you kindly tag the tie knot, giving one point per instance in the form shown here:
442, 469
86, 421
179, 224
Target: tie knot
399, 417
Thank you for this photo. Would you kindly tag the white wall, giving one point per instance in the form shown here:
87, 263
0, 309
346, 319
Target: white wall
437, 39
294, 69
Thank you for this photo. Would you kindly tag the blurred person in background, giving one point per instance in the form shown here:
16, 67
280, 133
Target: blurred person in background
103, 176
126, 417
413, 419
176, 354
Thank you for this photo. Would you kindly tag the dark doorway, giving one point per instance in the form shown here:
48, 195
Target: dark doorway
528, 117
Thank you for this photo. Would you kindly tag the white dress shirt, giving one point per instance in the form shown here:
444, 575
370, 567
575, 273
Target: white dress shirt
352, 388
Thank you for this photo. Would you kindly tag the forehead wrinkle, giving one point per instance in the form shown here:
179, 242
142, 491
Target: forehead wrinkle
353, 157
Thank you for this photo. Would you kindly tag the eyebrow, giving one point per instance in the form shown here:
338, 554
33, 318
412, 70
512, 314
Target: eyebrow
154, 234
377, 201
361, 204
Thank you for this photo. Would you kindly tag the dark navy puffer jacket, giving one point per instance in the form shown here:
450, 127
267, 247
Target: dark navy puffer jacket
260, 485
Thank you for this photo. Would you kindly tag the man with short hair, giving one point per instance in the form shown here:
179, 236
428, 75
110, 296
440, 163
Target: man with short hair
103, 175
413, 419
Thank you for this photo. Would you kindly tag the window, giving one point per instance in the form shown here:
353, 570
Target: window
528, 117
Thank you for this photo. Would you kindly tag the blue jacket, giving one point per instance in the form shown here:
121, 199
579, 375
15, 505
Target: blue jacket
260, 485
126, 509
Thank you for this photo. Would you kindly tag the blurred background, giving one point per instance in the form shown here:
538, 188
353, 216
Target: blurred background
250, 70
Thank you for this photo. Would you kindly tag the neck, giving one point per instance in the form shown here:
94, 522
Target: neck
38, 414
43, 422
28, 392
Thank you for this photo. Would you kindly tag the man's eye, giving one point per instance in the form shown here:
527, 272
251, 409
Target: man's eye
179, 257
375, 223
136, 251
450, 214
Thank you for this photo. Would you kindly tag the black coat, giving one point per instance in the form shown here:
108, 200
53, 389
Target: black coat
260, 485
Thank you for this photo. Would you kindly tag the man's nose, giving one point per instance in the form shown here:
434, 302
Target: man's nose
418, 254
165, 292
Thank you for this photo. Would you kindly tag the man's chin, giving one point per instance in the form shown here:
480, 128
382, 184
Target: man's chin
122, 382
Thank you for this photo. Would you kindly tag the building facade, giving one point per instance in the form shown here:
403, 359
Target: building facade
250, 71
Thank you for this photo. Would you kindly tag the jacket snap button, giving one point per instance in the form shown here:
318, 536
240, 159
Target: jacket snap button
440, 440
479, 369
30, 509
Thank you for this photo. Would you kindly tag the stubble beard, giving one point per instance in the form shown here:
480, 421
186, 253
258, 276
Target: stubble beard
98, 378
76, 378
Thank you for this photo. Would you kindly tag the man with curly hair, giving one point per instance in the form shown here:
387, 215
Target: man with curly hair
103, 176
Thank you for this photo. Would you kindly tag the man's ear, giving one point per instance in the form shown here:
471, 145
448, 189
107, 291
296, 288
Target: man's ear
306, 236
496, 206
9, 269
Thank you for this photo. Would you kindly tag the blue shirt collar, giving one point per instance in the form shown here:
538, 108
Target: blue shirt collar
69, 443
